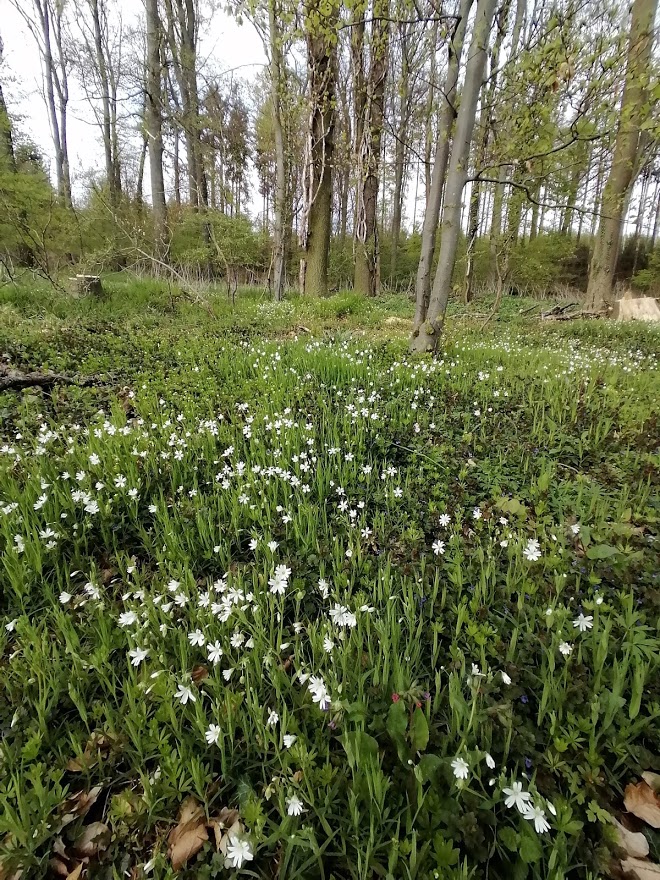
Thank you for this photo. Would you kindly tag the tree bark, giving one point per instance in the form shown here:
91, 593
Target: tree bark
426, 337
430, 108
635, 109
277, 87
498, 192
656, 219
487, 98
154, 123
102, 62
182, 38
322, 66
366, 253
432, 210
400, 146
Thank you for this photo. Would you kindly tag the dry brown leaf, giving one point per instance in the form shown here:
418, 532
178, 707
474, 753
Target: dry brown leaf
235, 829
59, 849
97, 747
94, 839
59, 867
653, 780
633, 842
221, 823
643, 802
199, 673
78, 805
189, 835
640, 869
75, 874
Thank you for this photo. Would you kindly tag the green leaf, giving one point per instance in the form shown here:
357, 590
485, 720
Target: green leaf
428, 766
530, 850
359, 747
513, 506
419, 731
508, 838
397, 720
601, 551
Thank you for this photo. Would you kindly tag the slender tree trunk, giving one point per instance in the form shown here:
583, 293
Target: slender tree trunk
277, 88
567, 216
639, 220
635, 109
367, 250
498, 194
430, 109
6, 135
359, 96
106, 122
432, 210
322, 63
656, 220
400, 148
534, 223
427, 336
139, 184
153, 123
487, 98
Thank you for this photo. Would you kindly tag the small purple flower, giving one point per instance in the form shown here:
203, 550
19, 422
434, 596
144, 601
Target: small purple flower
524, 699
332, 725
528, 763
427, 696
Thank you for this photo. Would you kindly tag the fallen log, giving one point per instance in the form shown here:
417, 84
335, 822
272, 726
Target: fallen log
16, 380
555, 311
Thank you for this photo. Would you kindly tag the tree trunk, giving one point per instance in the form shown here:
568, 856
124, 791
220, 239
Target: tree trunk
277, 87
427, 336
430, 107
656, 219
359, 96
639, 220
153, 123
366, 254
487, 98
635, 109
321, 62
182, 38
534, 224
498, 193
104, 83
432, 210
6, 136
400, 147
567, 216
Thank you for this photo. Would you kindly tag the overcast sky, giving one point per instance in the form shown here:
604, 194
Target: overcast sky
226, 45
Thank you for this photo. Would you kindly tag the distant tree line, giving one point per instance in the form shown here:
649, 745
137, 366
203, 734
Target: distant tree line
434, 147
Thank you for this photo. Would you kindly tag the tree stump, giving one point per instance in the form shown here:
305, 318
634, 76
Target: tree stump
89, 284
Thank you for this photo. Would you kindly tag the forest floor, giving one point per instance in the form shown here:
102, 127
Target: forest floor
278, 599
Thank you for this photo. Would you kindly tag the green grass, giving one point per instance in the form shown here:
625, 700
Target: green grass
442, 526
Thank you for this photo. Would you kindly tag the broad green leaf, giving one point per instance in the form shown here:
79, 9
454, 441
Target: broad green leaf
601, 551
419, 731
